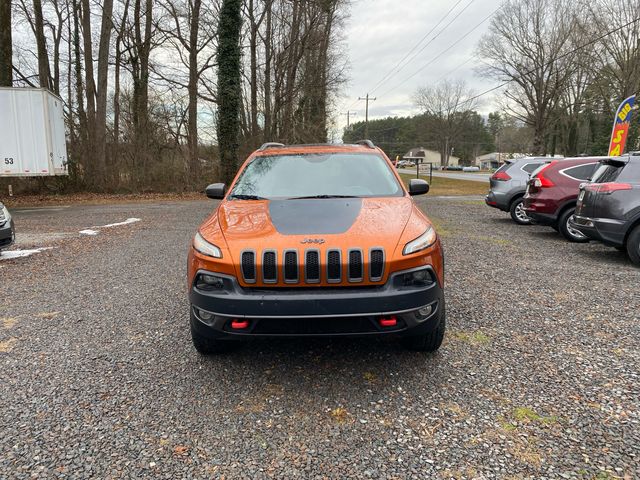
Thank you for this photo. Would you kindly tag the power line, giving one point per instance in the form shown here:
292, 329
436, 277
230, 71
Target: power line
559, 57
437, 35
390, 72
443, 52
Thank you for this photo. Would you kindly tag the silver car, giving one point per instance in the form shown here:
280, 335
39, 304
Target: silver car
7, 232
509, 183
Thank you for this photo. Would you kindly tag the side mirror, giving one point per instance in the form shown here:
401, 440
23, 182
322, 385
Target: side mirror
216, 191
418, 186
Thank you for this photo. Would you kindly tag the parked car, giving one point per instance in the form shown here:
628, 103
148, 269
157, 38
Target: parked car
608, 209
316, 240
470, 169
508, 184
552, 194
7, 228
455, 168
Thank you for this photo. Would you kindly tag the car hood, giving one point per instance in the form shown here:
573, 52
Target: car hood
340, 222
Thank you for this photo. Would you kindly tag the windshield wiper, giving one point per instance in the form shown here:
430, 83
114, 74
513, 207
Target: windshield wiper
240, 196
323, 196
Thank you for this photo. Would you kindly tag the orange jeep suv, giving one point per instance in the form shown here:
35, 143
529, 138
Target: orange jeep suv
316, 240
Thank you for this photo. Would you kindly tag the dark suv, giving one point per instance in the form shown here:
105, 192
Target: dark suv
508, 185
7, 234
552, 194
608, 209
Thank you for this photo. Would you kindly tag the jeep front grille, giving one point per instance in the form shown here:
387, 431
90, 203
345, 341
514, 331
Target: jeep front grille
248, 264
269, 267
334, 267
291, 266
313, 266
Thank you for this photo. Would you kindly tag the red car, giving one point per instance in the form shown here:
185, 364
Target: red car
552, 193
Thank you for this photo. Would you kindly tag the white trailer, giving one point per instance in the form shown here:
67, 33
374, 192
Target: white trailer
32, 134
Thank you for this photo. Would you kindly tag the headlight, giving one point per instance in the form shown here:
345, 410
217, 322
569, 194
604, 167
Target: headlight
206, 248
5, 216
425, 240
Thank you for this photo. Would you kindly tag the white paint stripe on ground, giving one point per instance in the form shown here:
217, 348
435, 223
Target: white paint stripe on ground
126, 222
93, 231
11, 254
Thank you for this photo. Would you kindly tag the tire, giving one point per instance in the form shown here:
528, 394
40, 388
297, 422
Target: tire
208, 346
566, 231
429, 342
633, 245
518, 215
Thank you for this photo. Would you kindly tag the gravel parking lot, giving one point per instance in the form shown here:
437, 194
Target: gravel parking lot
538, 377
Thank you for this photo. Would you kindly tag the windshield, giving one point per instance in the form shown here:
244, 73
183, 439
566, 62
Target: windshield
317, 175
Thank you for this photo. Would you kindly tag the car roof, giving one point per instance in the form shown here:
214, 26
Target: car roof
279, 149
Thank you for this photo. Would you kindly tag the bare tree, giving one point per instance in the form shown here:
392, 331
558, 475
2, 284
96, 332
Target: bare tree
447, 106
524, 44
6, 45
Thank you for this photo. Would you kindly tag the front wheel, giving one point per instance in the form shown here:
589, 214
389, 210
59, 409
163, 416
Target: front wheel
567, 231
518, 213
633, 245
429, 342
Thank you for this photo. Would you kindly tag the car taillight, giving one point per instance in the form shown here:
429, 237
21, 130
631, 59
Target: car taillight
541, 181
607, 188
502, 176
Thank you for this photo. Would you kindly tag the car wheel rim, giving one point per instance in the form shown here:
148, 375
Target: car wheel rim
577, 234
521, 214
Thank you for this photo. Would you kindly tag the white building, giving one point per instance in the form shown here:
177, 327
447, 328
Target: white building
422, 155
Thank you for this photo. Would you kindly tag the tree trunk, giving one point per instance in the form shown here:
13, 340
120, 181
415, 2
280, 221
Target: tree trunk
6, 45
192, 123
267, 74
101, 97
43, 60
229, 87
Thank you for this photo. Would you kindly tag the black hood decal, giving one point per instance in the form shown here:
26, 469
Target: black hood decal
314, 216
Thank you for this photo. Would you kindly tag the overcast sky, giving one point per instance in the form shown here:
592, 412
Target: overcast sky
380, 32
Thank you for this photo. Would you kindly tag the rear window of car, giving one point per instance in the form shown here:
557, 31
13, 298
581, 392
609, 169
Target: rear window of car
607, 173
581, 172
538, 168
503, 167
530, 167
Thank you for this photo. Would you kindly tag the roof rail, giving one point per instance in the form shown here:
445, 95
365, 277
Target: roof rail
367, 143
270, 145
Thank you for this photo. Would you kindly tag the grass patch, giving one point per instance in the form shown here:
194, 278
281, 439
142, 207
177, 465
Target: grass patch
450, 186
528, 415
339, 414
474, 338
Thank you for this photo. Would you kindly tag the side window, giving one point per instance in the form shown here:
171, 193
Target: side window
530, 167
581, 172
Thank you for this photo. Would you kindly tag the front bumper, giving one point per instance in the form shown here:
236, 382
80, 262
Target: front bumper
333, 311
606, 230
7, 234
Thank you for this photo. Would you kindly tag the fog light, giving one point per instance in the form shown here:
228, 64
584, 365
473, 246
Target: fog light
209, 282
418, 278
425, 311
204, 315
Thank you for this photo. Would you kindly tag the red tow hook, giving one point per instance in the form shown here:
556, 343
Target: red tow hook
239, 324
388, 322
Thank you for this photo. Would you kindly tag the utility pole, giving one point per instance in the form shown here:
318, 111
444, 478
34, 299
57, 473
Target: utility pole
348, 114
366, 114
